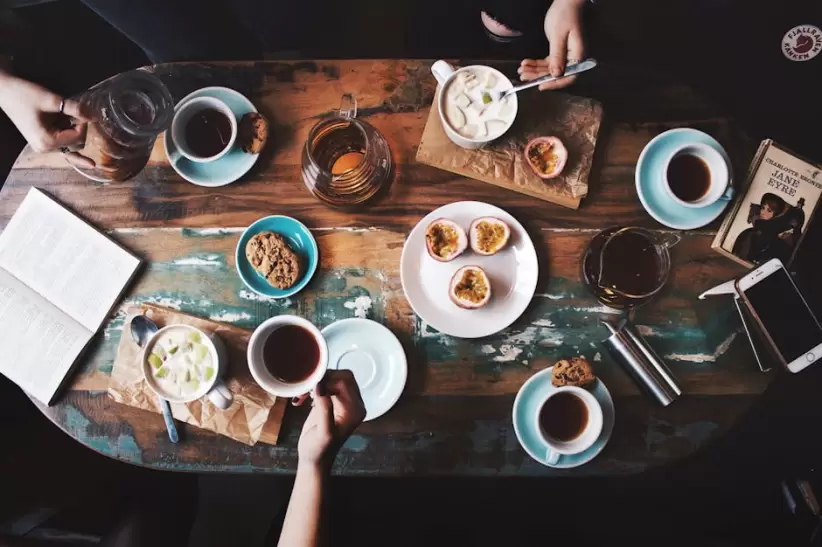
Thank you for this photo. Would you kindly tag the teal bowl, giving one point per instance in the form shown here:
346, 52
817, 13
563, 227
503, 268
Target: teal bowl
299, 238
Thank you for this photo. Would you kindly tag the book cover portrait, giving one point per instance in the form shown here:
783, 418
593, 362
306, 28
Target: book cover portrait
775, 212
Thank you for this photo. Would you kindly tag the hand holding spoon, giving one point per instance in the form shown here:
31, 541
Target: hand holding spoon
570, 70
142, 329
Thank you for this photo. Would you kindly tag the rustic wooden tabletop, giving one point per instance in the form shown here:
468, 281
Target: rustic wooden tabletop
455, 415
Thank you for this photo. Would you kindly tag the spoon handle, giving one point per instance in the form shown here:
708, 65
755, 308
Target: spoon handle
169, 419
570, 70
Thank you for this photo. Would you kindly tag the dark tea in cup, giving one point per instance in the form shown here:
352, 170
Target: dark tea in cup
291, 354
563, 417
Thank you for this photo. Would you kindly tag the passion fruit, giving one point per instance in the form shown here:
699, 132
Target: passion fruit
488, 235
445, 240
546, 156
470, 288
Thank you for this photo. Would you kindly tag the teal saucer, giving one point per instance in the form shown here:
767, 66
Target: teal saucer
228, 168
531, 395
299, 239
650, 183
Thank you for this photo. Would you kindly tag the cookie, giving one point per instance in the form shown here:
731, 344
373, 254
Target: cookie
572, 372
252, 133
273, 258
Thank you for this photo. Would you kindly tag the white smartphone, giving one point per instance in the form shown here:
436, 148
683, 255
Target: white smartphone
783, 315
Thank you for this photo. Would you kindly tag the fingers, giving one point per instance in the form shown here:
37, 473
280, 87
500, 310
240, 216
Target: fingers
79, 160
558, 56
557, 84
576, 47
531, 69
299, 400
72, 108
66, 137
324, 410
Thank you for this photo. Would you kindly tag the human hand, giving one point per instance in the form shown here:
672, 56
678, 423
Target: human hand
35, 111
336, 412
563, 28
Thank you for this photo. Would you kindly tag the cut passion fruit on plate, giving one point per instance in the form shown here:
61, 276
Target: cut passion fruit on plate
445, 240
546, 156
489, 235
470, 288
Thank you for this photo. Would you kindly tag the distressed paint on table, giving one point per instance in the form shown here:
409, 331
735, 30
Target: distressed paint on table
455, 415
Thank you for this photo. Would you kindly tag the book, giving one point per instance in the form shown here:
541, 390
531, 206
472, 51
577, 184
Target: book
59, 280
771, 216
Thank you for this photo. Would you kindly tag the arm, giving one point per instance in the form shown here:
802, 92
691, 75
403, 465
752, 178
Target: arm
302, 526
563, 28
35, 111
336, 412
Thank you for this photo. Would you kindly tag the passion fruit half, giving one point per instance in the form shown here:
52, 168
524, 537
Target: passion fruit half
445, 240
470, 288
488, 235
546, 156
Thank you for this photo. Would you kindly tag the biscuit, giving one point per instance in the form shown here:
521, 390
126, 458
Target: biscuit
572, 372
252, 133
273, 258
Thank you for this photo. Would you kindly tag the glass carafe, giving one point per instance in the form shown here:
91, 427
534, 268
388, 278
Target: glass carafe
627, 266
128, 111
346, 161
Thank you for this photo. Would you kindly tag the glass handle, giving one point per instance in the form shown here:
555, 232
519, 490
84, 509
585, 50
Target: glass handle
348, 106
669, 240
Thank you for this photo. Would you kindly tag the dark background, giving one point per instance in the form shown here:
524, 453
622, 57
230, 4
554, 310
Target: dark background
726, 494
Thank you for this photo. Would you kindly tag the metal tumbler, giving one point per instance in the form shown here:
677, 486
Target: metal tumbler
640, 361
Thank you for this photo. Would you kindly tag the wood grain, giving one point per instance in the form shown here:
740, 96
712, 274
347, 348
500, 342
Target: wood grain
455, 415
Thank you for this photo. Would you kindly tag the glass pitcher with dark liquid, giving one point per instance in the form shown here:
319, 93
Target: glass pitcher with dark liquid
626, 266
346, 161
128, 111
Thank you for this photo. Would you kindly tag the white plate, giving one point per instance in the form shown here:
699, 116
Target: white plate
374, 355
513, 273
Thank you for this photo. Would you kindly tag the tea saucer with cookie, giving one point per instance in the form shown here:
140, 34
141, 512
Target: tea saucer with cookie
215, 137
564, 415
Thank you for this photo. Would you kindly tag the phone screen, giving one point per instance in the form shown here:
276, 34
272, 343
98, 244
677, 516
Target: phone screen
786, 317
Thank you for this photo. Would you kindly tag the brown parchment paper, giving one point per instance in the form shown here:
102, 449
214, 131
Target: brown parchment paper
575, 120
254, 416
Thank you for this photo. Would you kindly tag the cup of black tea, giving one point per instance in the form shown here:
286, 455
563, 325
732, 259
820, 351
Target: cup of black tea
697, 175
203, 129
287, 356
570, 422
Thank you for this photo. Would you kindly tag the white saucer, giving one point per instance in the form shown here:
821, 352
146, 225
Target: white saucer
374, 355
513, 273
531, 395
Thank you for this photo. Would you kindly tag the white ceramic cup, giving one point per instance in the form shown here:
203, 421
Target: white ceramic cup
720, 185
184, 113
445, 74
584, 440
257, 365
215, 389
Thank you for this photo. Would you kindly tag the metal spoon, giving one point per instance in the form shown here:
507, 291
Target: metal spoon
142, 329
570, 70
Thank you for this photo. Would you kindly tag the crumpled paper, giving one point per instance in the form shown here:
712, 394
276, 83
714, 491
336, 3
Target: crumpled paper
255, 415
575, 120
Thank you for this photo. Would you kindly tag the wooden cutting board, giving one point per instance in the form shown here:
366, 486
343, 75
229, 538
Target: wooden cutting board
575, 120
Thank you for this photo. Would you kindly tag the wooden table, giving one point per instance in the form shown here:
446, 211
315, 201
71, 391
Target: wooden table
455, 415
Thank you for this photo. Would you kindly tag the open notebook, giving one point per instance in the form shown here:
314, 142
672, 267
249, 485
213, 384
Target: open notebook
59, 279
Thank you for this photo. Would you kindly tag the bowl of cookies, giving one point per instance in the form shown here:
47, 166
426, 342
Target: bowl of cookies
276, 256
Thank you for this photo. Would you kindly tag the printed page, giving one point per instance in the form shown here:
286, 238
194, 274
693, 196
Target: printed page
38, 342
65, 260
